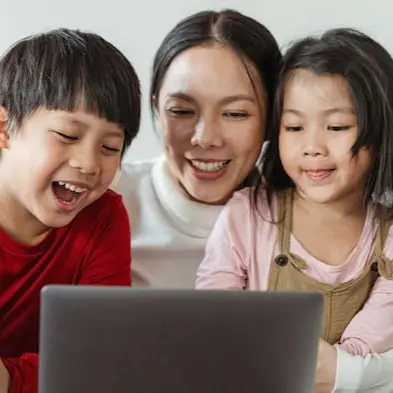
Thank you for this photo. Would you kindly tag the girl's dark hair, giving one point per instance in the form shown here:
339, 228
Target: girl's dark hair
251, 40
368, 70
53, 70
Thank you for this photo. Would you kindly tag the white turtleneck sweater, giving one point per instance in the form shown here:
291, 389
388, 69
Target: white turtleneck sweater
169, 231
169, 234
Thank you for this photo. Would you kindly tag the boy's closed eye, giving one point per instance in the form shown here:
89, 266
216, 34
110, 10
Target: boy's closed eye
70, 138
67, 137
112, 149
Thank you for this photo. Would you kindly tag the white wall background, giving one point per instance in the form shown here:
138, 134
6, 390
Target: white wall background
137, 28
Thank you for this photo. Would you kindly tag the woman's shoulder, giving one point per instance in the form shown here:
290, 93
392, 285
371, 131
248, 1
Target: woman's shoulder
135, 169
131, 174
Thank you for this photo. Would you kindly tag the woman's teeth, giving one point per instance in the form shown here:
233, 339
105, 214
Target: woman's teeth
71, 187
209, 166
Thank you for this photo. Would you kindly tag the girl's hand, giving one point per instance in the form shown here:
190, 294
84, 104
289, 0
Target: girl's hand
326, 368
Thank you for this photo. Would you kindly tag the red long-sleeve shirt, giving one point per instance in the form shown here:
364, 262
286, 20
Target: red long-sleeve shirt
94, 249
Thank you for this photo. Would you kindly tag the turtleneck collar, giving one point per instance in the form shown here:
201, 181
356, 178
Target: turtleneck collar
194, 218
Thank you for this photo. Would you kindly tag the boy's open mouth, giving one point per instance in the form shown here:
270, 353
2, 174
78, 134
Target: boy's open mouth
67, 193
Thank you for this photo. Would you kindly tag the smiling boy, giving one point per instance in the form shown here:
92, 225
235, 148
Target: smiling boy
69, 108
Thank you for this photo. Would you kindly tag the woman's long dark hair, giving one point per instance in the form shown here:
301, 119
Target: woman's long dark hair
251, 40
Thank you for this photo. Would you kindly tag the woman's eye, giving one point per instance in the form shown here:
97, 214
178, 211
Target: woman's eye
236, 115
178, 112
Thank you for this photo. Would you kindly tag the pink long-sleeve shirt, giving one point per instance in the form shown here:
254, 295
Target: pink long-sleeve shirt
242, 246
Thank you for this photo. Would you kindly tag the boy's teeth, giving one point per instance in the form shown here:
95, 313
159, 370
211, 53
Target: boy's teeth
209, 166
71, 187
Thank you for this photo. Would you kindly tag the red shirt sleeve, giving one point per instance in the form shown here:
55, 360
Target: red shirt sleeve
109, 264
23, 372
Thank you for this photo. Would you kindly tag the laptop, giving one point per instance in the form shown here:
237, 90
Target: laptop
125, 340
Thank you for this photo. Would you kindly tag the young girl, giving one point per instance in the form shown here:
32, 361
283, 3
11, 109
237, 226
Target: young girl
317, 224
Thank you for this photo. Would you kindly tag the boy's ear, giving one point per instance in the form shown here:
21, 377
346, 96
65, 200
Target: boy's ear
3, 128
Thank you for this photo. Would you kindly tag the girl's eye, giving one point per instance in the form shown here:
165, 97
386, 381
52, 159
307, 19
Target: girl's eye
338, 128
293, 128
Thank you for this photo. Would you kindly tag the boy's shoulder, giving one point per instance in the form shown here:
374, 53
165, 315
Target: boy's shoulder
105, 209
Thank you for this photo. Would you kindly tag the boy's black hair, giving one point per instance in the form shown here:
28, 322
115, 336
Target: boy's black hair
367, 68
63, 68
251, 41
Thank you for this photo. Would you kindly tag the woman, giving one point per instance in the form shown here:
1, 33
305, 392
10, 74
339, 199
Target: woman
212, 87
